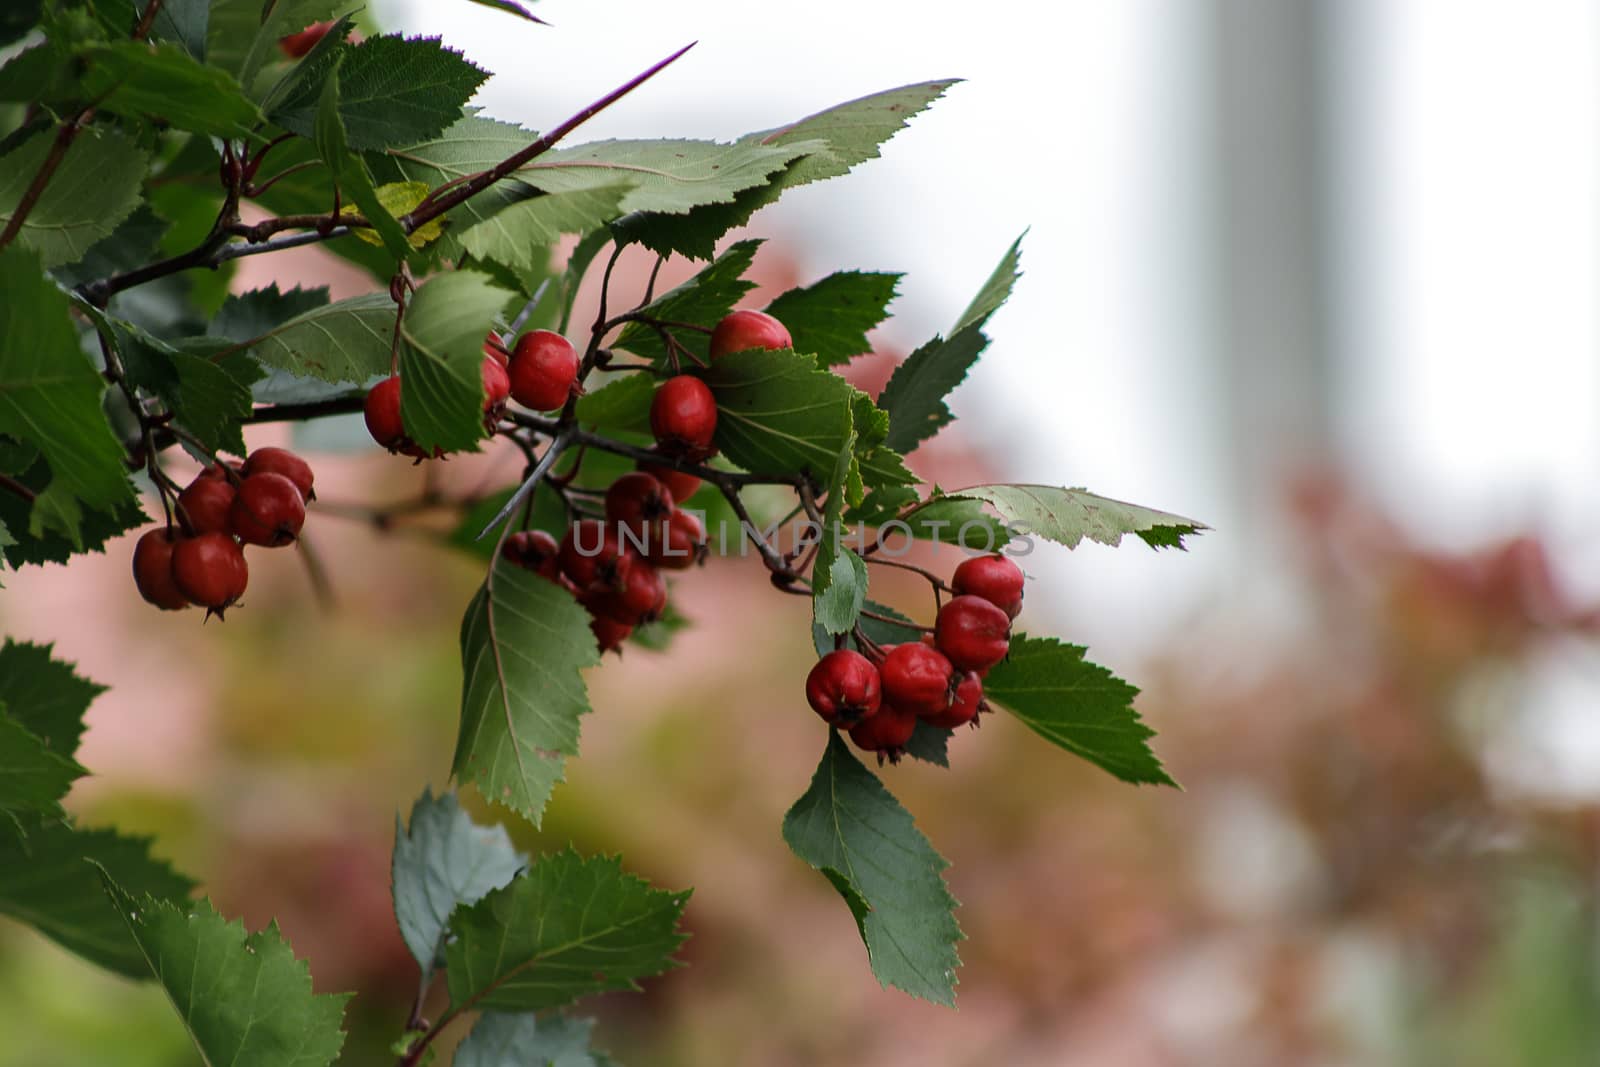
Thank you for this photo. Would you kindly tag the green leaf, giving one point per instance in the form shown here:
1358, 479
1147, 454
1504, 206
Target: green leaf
929, 744
619, 406
17, 18
519, 235
183, 21
208, 391
346, 341
1067, 516
567, 928
839, 577
777, 413
946, 520
349, 172
443, 860
50, 883
669, 175
49, 393
33, 776
470, 145
850, 828
510, 7
134, 244
49, 546
163, 82
500, 1039
244, 998
996, 290
292, 101
831, 318
95, 187
441, 361
703, 300
245, 316
398, 91
45, 695
264, 26
1078, 705
524, 642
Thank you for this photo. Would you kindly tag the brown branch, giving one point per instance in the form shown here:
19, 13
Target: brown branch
52, 160
12, 485
147, 20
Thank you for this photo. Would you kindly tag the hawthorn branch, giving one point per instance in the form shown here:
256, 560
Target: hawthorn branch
11, 485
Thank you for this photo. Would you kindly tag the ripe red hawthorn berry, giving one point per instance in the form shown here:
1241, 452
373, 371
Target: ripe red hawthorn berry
210, 570
282, 461
267, 510
972, 633
640, 597
681, 484
382, 412
296, 45
917, 679
995, 578
740, 330
152, 569
964, 708
207, 503
543, 369
609, 632
683, 417
496, 385
534, 550
639, 504
679, 544
844, 688
592, 553
885, 732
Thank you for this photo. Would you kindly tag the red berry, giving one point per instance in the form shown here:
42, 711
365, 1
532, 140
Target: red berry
268, 510
640, 596
609, 632
543, 369
496, 384
282, 461
964, 708
885, 733
593, 553
206, 504
680, 484
995, 578
152, 570
679, 543
748, 329
844, 688
210, 570
638, 503
296, 45
534, 550
382, 411
683, 416
495, 348
917, 679
972, 633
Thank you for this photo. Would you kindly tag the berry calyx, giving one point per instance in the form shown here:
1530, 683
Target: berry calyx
964, 707
267, 510
741, 330
640, 596
296, 45
638, 503
885, 733
381, 409
679, 543
683, 417
210, 571
972, 633
152, 570
681, 484
281, 461
592, 553
917, 679
543, 369
995, 578
609, 633
496, 385
844, 688
536, 551
207, 503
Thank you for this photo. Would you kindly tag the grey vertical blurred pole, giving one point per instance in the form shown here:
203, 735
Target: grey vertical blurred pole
1269, 249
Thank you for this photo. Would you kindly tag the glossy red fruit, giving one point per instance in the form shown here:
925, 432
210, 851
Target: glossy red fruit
495, 348
844, 688
640, 596
592, 553
917, 679
496, 384
964, 707
683, 417
740, 330
680, 484
680, 542
267, 510
207, 503
282, 461
543, 369
639, 504
534, 550
609, 632
152, 570
995, 578
296, 45
885, 733
972, 633
382, 412
210, 570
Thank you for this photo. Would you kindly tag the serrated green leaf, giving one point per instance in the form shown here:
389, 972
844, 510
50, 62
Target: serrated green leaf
45, 695
567, 928
702, 300
346, 341
850, 828
33, 776
50, 883
133, 244
292, 100
245, 316
96, 529
839, 577
263, 26
244, 998
1078, 705
163, 82
208, 391
49, 393
620, 406
777, 413
349, 172
95, 187
1067, 516
183, 21
947, 520
441, 360
442, 860
470, 145
831, 319
523, 646
519, 234
41, 72
398, 90
996, 290
500, 1039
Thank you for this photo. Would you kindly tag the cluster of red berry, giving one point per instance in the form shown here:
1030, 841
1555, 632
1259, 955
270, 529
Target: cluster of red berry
879, 697
199, 559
